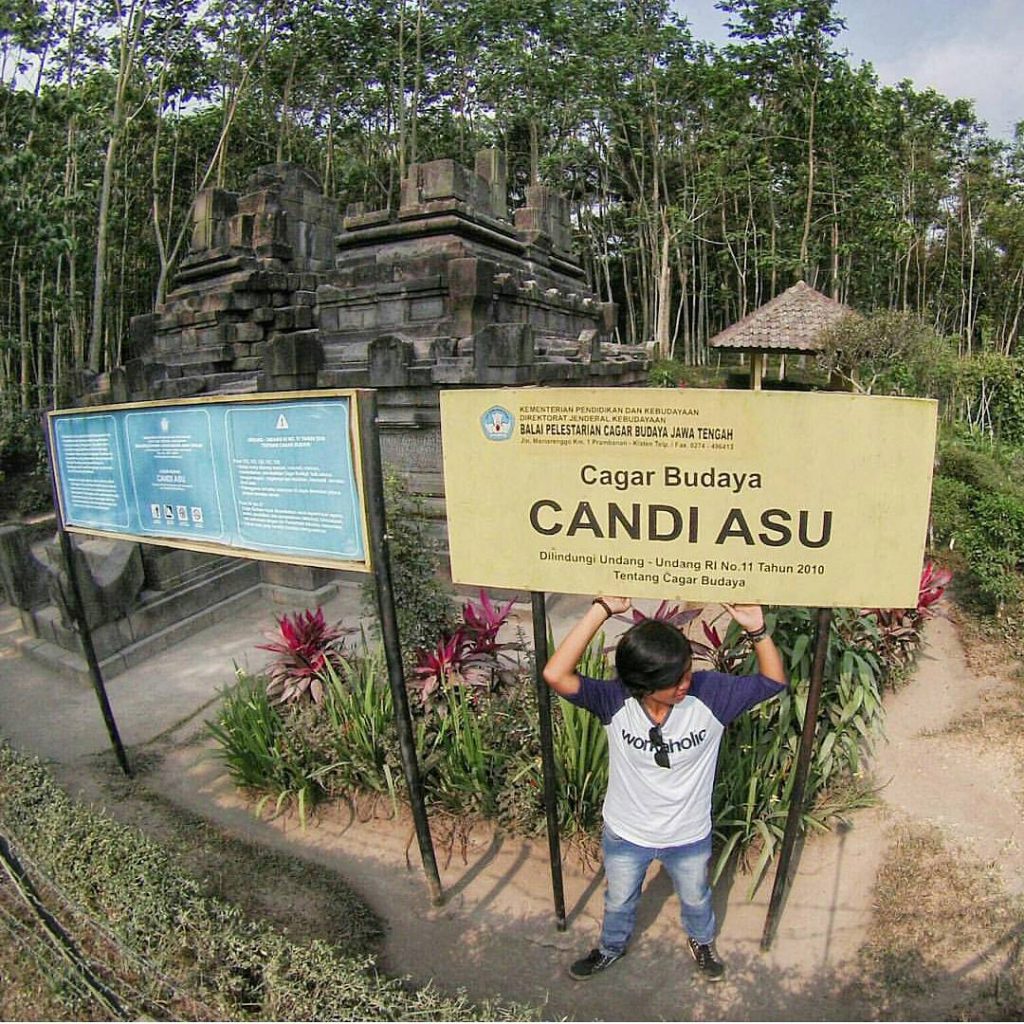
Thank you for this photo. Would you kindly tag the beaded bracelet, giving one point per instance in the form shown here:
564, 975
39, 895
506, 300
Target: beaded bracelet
757, 635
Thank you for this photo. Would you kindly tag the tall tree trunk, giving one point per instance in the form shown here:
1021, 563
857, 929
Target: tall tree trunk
24, 343
99, 281
662, 329
129, 35
809, 204
534, 151
401, 90
283, 131
835, 238
416, 85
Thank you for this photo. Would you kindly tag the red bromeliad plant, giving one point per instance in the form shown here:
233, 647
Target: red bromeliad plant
483, 623
673, 614
304, 646
899, 629
723, 657
934, 581
470, 656
713, 649
438, 666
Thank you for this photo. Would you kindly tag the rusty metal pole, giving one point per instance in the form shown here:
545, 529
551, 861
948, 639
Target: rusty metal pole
547, 753
76, 606
803, 765
373, 484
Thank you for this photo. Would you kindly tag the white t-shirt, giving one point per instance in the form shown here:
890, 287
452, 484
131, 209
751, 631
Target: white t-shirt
653, 806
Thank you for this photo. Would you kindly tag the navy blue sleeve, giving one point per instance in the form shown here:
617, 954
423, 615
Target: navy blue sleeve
729, 696
601, 697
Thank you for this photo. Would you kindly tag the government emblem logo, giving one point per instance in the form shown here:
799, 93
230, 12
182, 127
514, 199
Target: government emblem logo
497, 423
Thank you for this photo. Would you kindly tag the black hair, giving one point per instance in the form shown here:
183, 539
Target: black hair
651, 656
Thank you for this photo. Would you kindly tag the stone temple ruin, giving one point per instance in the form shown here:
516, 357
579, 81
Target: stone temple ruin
281, 292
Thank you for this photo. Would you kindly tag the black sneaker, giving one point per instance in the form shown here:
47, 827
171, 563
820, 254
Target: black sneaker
707, 960
593, 963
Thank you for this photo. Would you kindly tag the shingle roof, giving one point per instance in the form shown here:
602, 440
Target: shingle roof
791, 322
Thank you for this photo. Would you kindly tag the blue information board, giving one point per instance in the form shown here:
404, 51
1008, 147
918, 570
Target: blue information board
273, 475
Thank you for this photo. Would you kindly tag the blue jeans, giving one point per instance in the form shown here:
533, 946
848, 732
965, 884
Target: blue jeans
625, 865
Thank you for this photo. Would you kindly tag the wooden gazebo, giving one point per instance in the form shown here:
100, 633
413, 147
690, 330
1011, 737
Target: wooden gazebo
790, 324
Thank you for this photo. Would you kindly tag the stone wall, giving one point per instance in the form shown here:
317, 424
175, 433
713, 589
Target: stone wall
281, 292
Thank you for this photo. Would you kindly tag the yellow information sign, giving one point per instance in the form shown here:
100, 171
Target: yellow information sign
752, 497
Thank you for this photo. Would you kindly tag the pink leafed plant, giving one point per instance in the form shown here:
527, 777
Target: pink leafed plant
437, 665
304, 644
934, 581
673, 614
899, 629
470, 657
715, 651
711, 632
484, 622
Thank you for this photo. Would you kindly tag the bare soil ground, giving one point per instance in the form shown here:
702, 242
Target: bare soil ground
912, 910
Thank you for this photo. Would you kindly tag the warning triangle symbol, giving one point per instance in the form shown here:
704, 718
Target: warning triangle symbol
282, 423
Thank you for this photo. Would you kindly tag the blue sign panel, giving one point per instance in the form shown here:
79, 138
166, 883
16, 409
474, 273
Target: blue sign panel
176, 492
90, 466
274, 476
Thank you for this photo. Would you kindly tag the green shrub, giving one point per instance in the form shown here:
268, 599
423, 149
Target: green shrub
423, 603
191, 954
665, 373
459, 749
581, 751
951, 509
359, 719
266, 750
581, 758
22, 449
758, 754
978, 510
24, 474
670, 373
987, 394
993, 542
971, 464
889, 353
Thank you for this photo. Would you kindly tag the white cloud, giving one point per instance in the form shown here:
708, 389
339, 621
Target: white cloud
979, 61
962, 48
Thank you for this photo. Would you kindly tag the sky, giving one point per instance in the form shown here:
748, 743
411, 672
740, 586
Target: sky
970, 49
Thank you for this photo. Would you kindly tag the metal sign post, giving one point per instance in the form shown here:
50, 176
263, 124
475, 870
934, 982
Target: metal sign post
547, 752
373, 479
77, 608
803, 765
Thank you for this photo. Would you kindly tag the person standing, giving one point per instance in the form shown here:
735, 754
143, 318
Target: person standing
664, 724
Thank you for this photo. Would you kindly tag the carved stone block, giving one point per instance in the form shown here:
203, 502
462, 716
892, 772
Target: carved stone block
389, 358
505, 345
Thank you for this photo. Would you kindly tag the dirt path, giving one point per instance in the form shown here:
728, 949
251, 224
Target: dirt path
494, 936
943, 765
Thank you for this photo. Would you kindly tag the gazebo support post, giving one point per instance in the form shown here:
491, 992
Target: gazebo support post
756, 370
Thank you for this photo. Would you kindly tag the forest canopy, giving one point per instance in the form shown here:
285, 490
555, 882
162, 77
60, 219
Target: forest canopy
702, 180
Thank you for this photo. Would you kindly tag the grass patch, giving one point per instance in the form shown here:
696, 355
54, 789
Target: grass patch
155, 936
996, 647
946, 938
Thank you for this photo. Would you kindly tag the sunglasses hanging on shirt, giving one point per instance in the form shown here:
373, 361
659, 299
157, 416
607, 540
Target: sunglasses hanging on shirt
660, 747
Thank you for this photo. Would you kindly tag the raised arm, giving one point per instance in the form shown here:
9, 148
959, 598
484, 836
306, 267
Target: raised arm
560, 671
769, 661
